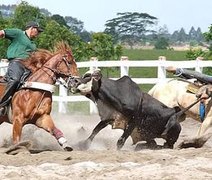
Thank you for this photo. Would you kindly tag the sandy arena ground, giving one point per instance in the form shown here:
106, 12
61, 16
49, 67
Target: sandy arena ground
102, 161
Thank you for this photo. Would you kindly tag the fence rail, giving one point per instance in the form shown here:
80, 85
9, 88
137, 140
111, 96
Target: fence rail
124, 64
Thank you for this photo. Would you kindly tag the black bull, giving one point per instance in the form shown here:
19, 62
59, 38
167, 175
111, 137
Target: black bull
123, 101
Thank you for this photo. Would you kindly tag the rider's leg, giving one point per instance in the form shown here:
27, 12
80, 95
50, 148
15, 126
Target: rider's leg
13, 76
9, 91
189, 74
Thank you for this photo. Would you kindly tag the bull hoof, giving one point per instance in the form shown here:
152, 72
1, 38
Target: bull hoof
168, 146
68, 148
150, 145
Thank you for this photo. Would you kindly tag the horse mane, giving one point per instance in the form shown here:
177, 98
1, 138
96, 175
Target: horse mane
37, 59
62, 47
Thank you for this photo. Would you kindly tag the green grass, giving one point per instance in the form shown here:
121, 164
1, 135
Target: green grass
153, 54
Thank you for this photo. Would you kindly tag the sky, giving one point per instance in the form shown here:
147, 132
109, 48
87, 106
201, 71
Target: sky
175, 14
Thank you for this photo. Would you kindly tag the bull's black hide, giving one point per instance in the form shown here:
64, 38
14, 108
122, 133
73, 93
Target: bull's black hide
123, 99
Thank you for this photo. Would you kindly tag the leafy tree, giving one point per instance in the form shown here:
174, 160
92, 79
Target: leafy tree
45, 12
60, 20
54, 33
192, 34
161, 43
118, 51
199, 36
85, 35
174, 36
130, 26
162, 38
55, 30
77, 27
208, 37
182, 35
101, 46
3, 42
194, 53
25, 13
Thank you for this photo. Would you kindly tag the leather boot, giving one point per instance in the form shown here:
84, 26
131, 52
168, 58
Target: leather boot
9, 91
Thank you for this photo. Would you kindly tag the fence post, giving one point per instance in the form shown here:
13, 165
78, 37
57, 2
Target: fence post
161, 69
63, 92
94, 59
124, 69
93, 108
198, 68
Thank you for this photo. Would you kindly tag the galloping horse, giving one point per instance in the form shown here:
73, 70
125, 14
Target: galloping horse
174, 93
32, 103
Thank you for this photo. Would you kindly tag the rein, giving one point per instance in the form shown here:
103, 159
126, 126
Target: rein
52, 77
38, 105
58, 72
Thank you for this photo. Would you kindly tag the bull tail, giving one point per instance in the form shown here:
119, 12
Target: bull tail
174, 118
190, 106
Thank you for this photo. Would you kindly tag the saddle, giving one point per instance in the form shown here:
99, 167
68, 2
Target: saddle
200, 91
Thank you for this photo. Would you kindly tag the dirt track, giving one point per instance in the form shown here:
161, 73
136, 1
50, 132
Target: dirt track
101, 161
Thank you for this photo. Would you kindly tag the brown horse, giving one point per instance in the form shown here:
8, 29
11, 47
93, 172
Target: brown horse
32, 103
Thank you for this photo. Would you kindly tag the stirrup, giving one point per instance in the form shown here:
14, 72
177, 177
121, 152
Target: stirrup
3, 110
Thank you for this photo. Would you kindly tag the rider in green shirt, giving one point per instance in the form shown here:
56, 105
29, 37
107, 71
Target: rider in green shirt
20, 48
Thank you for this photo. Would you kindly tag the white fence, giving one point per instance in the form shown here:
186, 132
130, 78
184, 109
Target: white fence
124, 64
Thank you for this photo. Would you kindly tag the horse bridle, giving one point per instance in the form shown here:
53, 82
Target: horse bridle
56, 71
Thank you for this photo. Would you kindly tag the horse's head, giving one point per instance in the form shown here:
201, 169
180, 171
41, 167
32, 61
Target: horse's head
67, 65
56, 64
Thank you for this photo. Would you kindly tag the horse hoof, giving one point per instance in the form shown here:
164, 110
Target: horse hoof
68, 148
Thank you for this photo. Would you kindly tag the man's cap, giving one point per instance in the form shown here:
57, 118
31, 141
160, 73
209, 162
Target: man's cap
34, 25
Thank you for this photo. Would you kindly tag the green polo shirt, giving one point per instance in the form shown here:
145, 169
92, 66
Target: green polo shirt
21, 46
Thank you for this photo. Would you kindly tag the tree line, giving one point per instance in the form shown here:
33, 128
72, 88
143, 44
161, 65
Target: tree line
131, 28
57, 28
